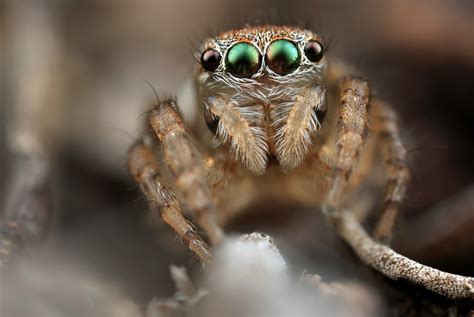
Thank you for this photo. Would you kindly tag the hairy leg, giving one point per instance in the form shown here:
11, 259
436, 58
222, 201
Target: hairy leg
351, 129
186, 165
398, 174
352, 126
144, 168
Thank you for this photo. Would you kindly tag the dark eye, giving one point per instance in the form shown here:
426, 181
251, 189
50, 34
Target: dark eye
210, 60
243, 60
283, 57
314, 51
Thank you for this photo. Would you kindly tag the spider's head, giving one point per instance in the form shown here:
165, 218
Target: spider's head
252, 80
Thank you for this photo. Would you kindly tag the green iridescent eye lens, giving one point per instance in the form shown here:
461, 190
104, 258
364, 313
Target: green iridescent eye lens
243, 60
283, 57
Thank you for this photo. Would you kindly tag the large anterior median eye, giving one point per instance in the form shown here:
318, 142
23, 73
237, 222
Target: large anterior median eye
283, 57
243, 60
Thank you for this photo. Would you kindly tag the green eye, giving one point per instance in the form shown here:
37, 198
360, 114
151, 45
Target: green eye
243, 60
283, 57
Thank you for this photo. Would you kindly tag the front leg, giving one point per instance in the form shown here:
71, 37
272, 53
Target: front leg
186, 165
144, 168
350, 138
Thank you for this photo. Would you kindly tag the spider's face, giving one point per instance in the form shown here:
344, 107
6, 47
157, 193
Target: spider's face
253, 79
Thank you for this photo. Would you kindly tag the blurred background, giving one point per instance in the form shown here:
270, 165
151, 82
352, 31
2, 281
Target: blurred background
72, 93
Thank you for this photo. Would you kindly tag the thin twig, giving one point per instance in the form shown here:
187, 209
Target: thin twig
26, 215
396, 266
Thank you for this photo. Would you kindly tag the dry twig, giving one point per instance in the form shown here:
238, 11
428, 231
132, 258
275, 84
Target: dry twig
396, 266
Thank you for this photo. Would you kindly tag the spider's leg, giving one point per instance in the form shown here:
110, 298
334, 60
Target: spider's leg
187, 166
398, 174
144, 168
352, 126
350, 135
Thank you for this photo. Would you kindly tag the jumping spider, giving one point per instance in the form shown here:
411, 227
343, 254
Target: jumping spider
292, 125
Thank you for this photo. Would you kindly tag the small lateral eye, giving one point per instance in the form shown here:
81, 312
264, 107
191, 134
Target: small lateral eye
210, 60
314, 51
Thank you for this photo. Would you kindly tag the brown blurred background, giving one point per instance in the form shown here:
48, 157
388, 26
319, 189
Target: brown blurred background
72, 73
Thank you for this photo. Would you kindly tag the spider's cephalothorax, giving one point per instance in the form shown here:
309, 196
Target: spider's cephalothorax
264, 93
